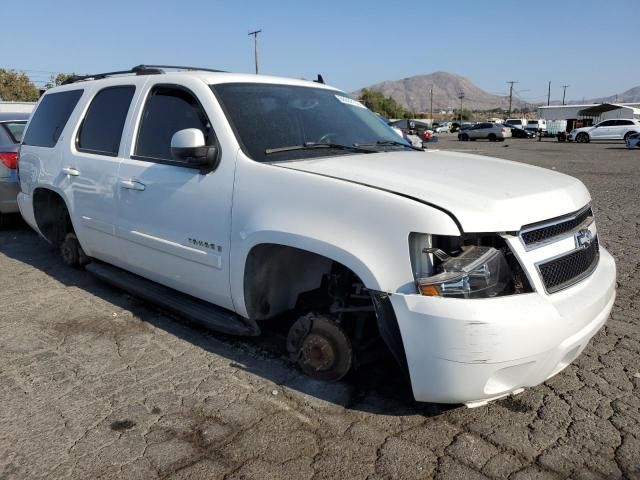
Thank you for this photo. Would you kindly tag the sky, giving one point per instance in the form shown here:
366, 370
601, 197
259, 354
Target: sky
588, 45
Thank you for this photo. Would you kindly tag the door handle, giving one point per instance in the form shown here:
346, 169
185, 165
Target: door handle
71, 171
132, 185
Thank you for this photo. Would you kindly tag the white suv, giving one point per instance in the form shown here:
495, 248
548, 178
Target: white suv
485, 130
619, 129
235, 199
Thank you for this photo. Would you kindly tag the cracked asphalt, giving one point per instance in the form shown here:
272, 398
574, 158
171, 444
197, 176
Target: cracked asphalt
96, 384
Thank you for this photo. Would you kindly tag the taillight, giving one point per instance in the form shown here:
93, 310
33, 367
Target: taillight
504, 130
9, 159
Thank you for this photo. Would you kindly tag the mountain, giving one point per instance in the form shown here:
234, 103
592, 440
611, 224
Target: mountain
630, 96
413, 93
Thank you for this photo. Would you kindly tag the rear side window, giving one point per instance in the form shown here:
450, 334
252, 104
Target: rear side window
101, 129
167, 111
13, 130
50, 118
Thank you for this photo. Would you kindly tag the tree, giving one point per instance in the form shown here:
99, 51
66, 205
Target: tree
385, 106
17, 87
57, 80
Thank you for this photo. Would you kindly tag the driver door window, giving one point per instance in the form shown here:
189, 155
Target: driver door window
168, 110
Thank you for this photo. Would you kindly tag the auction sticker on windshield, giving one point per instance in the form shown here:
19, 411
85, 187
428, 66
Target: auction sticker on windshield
350, 101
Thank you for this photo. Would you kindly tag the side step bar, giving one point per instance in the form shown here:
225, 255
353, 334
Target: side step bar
198, 311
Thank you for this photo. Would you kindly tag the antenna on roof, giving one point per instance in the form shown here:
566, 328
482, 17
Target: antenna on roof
319, 79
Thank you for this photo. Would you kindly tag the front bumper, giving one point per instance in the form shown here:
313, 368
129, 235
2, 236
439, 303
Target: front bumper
9, 189
471, 351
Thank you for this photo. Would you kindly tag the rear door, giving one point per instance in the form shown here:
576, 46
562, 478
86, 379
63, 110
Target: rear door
604, 130
174, 218
622, 127
92, 169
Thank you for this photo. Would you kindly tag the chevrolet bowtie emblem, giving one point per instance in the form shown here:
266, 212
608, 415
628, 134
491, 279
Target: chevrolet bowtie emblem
583, 238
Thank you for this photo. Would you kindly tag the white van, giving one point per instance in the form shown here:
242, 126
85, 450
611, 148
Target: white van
516, 122
537, 125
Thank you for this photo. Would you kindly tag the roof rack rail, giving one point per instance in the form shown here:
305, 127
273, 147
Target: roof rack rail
138, 70
178, 67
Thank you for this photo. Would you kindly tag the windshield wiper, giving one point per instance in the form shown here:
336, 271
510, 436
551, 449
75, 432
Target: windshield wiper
313, 145
387, 142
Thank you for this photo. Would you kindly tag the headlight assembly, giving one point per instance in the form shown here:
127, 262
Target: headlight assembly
477, 272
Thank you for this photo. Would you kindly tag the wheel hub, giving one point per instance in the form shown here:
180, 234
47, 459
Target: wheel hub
318, 353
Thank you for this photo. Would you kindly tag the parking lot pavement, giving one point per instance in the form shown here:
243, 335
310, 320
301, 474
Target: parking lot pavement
94, 384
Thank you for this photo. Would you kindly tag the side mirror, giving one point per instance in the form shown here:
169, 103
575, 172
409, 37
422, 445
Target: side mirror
189, 146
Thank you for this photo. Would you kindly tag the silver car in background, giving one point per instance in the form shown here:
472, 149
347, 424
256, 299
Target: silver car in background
11, 128
486, 130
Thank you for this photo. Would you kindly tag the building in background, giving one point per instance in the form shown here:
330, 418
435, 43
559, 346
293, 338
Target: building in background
16, 107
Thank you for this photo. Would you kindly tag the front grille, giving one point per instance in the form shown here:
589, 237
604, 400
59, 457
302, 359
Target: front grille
569, 269
532, 234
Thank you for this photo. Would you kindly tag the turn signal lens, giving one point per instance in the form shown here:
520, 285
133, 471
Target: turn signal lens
429, 290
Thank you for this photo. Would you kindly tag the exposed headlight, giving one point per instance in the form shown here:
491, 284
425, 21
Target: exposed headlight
478, 272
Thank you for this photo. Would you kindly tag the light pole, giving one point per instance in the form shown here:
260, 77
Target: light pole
255, 45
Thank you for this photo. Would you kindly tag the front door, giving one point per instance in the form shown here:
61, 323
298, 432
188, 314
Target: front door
175, 219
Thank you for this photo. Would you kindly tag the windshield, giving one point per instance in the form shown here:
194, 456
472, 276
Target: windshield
268, 117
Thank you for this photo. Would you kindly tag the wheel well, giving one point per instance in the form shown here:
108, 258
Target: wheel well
275, 276
51, 215
281, 278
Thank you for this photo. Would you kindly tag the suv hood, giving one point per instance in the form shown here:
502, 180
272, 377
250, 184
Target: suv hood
484, 194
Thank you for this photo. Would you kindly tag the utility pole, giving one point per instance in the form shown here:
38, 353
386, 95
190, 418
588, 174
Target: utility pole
461, 96
511, 82
564, 92
431, 102
255, 45
549, 94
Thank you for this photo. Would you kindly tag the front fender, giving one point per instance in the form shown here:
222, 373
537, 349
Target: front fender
363, 228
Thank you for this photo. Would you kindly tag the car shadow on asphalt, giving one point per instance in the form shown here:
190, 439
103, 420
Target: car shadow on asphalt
379, 387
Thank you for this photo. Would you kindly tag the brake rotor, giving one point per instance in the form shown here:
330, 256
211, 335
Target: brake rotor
320, 347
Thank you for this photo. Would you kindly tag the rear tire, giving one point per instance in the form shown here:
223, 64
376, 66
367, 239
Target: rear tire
582, 138
72, 253
492, 137
463, 137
